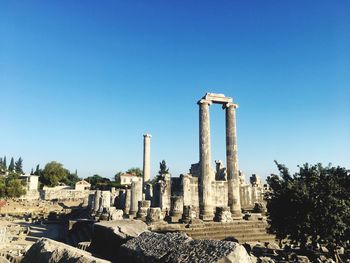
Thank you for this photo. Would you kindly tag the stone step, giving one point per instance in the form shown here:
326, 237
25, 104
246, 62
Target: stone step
238, 222
224, 232
228, 228
241, 238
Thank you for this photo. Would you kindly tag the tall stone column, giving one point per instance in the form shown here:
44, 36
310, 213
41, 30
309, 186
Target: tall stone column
232, 160
205, 180
146, 158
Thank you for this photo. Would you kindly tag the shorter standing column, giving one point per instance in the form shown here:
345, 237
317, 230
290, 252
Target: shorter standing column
136, 196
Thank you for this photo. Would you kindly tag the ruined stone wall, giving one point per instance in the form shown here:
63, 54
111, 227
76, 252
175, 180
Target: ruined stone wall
31, 195
220, 193
190, 191
64, 194
251, 194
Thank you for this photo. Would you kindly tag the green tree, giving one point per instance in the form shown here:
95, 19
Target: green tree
53, 174
11, 186
12, 165
72, 179
5, 163
19, 166
98, 182
38, 171
2, 166
15, 188
2, 187
163, 169
311, 205
135, 171
117, 176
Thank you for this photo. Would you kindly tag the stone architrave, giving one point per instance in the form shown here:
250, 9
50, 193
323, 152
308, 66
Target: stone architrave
232, 160
205, 203
146, 158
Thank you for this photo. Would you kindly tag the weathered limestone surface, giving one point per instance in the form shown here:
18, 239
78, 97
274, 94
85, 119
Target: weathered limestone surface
146, 157
143, 207
206, 209
136, 196
97, 201
175, 247
232, 160
154, 215
47, 250
108, 236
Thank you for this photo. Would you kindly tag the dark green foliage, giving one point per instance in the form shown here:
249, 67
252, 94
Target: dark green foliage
12, 165
19, 166
98, 182
38, 171
2, 186
135, 171
11, 186
53, 174
4, 161
311, 205
3, 167
117, 176
163, 168
71, 179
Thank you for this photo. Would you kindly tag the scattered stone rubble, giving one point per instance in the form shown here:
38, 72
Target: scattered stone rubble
175, 247
108, 236
47, 250
270, 252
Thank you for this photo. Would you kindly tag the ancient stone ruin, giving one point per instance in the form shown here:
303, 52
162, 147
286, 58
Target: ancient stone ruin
208, 193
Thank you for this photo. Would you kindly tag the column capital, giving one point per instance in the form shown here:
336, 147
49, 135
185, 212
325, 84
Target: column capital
204, 101
229, 105
147, 135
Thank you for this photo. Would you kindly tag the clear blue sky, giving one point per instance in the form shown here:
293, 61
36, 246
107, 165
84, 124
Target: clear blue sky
81, 81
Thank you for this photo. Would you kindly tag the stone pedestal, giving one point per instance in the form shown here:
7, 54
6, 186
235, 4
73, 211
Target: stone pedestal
232, 160
176, 208
205, 203
115, 214
143, 207
154, 215
188, 214
223, 214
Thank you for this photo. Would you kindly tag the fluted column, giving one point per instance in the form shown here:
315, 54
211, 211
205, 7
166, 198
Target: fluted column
205, 180
146, 158
232, 160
